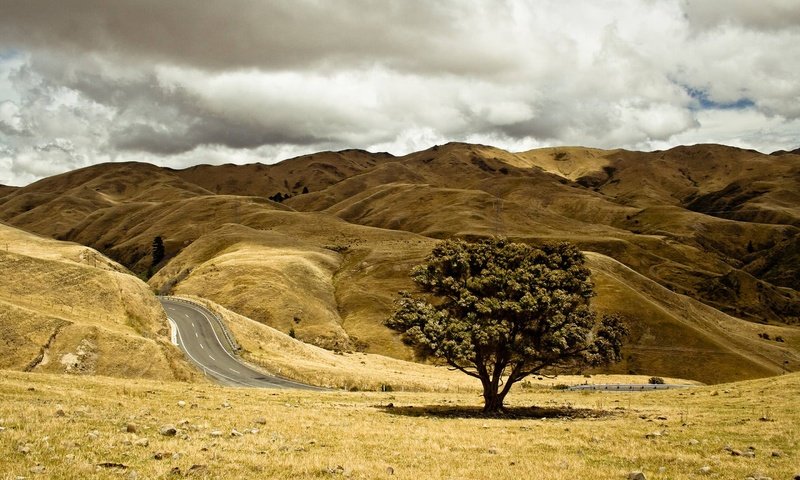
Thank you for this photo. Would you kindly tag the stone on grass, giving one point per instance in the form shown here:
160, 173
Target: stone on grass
694, 441
636, 475
141, 442
705, 470
216, 433
260, 421
130, 428
37, 469
236, 433
168, 431
181, 403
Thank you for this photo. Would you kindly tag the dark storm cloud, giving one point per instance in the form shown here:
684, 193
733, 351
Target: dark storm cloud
409, 34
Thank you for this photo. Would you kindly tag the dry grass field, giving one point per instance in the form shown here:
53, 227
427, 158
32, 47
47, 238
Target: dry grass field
94, 427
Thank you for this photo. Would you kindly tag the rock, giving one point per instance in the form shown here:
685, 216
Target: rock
37, 469
216, 433
162, 455
141, 442
254, 431
749, 454
493, 450
94, 435
130, 428
69, 457
796, 477
735, 452
636, 475
24, 449
758, 476
260, 421
389, 471
236, 433
181, 403
60, 411
133, 475
2, 429
168, 431
777, 453
705, 470
654, 434
226, 405
197, 469
114, 465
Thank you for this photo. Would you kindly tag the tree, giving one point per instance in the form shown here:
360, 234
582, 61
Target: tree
157, 251
498, 309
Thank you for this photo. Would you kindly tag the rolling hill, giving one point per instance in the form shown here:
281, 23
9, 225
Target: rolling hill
697, 245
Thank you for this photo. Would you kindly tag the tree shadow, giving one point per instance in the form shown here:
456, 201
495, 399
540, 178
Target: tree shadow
510, 413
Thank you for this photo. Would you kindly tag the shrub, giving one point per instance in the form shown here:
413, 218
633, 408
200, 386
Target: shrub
655, 381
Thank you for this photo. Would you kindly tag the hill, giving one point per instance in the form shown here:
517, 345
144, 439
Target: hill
71, 310
714, 228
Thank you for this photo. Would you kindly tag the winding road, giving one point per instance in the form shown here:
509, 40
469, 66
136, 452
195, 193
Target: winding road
196, 331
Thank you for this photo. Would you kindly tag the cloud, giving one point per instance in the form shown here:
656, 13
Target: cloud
181, 82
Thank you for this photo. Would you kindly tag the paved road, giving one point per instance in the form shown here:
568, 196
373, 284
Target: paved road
194, 332
632, 387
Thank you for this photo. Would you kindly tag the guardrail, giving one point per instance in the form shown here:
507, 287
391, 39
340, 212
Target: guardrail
225, 332
639, 387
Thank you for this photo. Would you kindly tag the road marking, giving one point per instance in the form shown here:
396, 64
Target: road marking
234, 370
212, 358
196, 335
201, 346
173, 331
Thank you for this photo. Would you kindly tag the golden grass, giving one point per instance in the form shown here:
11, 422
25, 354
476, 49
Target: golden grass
68, 308
76, 428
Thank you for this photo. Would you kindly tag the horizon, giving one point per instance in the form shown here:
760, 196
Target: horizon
393, 155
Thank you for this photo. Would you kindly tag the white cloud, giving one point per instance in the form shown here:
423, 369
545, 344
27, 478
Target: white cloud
178, 83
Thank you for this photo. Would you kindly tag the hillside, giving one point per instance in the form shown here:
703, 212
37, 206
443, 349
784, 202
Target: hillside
69, 309
703, 238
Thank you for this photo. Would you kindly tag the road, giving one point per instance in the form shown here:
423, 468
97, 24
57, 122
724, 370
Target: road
194, 332
638, 387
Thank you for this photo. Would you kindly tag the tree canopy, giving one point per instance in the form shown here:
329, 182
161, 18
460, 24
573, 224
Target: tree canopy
500, 311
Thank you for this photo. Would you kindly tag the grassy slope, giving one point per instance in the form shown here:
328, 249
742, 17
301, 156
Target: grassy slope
69, 427
68, 308
626, 205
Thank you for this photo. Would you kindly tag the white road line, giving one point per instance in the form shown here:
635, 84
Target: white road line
201, 346
212, 358
205, 368
196, 335
173, 331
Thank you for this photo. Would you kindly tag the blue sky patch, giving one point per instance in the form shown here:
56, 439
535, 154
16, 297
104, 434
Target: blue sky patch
705, 103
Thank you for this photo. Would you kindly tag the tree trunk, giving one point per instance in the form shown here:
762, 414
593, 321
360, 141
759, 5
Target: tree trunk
493, 401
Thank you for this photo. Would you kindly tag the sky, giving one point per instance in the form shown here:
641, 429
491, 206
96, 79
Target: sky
182, 82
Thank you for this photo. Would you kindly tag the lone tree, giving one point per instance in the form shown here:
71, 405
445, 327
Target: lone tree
498, 309
157, 251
